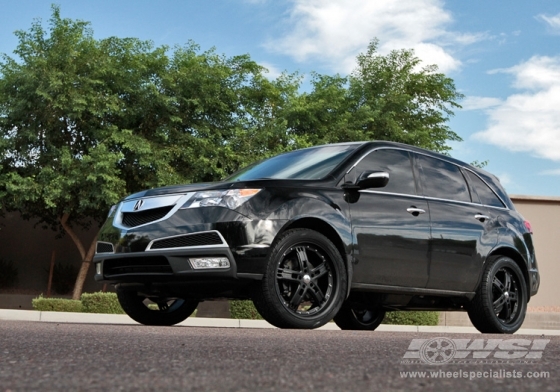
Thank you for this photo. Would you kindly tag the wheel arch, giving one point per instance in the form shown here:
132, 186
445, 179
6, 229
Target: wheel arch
518, 259
326, 229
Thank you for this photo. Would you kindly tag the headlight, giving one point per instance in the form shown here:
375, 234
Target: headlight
112, 211
231, 199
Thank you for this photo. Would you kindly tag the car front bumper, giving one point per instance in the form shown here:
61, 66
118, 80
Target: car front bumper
162, 250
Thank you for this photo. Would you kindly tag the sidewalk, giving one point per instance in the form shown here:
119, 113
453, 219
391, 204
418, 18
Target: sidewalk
93, 318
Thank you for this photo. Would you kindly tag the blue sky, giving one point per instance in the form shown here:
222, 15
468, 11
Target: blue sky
503, 55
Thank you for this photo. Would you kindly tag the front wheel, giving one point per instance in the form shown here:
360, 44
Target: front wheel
155, 311
305, 282
500, 303
354, 316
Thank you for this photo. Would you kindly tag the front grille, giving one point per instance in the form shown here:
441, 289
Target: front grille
133, 219
202, 239
104, 247
137, 265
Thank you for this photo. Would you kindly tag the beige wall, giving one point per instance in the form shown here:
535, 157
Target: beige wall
544, 216
31, 248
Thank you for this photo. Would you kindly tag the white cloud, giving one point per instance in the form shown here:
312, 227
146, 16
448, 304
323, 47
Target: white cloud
530, 120
552, 21
553, 172
506, 180
335, 31
478, 103
272, 71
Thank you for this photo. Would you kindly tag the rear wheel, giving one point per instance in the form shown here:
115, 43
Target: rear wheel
355, 316
305, 282
500, 303
162, 311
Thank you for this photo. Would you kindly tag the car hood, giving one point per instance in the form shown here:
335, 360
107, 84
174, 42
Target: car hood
167, 190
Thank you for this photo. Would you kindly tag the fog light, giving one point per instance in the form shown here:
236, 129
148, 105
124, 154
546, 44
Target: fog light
98, 268
209, 262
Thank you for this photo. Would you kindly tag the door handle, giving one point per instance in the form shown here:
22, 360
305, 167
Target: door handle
481, 217
415, 211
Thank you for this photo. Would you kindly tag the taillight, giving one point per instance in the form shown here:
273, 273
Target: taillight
528, 226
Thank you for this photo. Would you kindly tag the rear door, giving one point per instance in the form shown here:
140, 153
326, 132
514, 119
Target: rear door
460, 228
390, 225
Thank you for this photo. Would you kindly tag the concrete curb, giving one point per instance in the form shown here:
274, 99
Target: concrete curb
94, 318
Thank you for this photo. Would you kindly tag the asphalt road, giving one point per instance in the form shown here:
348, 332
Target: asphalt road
71, 357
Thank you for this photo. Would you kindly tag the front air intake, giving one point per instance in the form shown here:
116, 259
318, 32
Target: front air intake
188, 240
136, 265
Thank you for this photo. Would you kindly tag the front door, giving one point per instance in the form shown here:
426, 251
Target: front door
390, 225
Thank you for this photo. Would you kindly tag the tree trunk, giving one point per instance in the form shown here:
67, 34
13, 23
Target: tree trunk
84, 268
87, 257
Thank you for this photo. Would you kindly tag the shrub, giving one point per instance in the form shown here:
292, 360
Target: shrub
101, 303
56, 304
411, 318
9, 275
243, 310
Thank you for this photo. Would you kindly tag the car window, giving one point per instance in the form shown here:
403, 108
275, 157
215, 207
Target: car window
443, 180
485, 194
308, 164
395, 162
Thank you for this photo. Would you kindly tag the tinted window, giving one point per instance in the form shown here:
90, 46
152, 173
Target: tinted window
396, 163
307, 164
484, 193
443, 180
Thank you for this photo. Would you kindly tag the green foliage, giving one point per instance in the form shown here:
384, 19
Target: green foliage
85, 121
480, 164
56, 304
64, 276
101, 303
387, 97
411, 318
243, 310
8, 275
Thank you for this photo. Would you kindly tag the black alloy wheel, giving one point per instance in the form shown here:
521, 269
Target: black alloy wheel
500, 302
305, 281
356, 316
155, 311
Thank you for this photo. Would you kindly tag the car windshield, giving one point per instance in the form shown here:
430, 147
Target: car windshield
308, 164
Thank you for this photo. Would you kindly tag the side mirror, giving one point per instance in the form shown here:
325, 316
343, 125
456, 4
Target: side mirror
372, 179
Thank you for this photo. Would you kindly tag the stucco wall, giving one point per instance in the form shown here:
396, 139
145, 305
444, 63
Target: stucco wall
544, 216
30, 248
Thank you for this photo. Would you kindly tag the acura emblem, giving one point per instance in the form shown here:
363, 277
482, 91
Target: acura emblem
138, 205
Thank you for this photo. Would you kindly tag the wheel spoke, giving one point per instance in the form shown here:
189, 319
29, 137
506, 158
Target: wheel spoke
498, 284
513, 296
319, 271
302, 258
499, 304
507, 309
288, 275
298, 296
507, 280
317, 293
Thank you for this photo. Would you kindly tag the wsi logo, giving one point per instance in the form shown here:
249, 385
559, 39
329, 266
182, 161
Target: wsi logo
439, 351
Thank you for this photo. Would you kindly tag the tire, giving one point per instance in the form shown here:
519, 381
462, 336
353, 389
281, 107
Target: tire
353, 316
170, 310
500, 303
305, 281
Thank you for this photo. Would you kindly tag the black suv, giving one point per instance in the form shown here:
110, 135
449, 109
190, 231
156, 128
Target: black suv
344, 231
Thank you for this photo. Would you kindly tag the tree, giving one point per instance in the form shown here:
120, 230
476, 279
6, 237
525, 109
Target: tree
386, 98
84, 122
